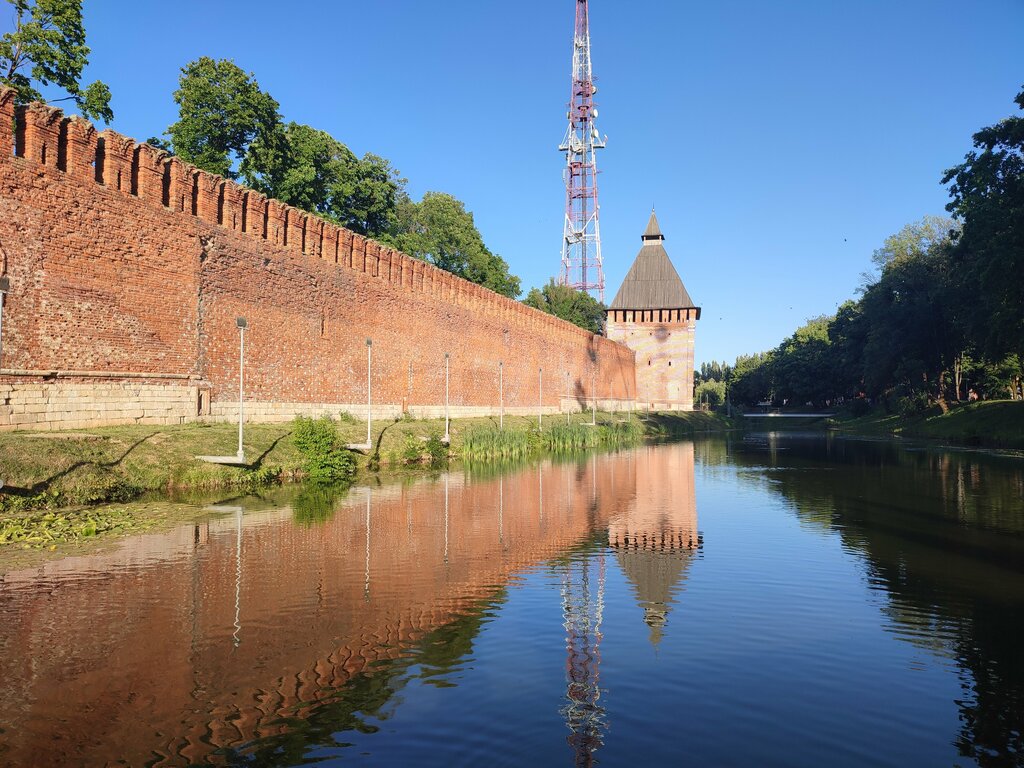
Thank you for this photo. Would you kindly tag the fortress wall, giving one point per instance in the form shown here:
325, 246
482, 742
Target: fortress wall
128, 268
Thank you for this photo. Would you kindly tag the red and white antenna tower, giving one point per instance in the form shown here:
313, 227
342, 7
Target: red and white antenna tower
581, 241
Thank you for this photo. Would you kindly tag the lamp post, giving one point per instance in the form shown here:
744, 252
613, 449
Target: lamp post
242, 324
447, 435
540, 399
369, 413
593, 402
567, 406
501, 395
5, 286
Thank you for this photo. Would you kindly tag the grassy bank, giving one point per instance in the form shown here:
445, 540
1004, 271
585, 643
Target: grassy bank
61, 486
993, 423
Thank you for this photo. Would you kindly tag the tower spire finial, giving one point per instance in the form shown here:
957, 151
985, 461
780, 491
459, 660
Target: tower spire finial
653, 231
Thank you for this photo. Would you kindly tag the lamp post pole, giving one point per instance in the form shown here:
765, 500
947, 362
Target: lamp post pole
369, 400
540, 399
567, 406
501, 395
447, 435
5, 286
593, 402
242, 324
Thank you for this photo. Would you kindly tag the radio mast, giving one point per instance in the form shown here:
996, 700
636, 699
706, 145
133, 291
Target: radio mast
582, 266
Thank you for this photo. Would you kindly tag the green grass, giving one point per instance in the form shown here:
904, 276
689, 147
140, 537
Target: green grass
69, 486
992, 423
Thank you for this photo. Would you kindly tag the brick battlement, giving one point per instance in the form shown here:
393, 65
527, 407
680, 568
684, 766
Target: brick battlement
72, 145
123, 259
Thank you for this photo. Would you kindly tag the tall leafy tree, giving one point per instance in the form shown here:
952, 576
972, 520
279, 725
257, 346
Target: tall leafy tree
440, 230
564, 301
221, 112
312, 170
987, 192
47, 47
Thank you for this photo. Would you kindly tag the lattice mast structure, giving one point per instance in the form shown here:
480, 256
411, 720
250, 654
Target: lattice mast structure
582, 267
582, 613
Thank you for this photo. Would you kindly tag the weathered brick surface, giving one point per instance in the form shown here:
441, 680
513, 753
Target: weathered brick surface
663, 342
123, 260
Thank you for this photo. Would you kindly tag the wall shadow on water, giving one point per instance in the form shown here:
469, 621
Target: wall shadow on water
942, 534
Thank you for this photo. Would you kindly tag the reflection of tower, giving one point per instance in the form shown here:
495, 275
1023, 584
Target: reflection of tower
656, 536
582, 609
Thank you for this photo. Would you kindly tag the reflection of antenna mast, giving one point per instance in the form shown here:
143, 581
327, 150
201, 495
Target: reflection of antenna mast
583, 611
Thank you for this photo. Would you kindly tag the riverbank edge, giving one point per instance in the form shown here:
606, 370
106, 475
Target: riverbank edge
61, 487
984, 424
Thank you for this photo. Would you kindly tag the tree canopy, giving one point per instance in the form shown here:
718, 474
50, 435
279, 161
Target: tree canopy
942, 319
310, 169
221, 112
564, 301
229, 126
440, 230
47, 46
987, 192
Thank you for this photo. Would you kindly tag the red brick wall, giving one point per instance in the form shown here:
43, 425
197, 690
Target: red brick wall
124, 260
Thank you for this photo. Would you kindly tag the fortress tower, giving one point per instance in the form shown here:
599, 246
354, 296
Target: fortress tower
653, 315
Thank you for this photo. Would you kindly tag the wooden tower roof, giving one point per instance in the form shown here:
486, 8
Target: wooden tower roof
652, 282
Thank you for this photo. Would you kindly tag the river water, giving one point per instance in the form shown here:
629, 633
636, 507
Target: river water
760, 600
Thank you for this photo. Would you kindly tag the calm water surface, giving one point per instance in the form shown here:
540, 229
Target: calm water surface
767, 600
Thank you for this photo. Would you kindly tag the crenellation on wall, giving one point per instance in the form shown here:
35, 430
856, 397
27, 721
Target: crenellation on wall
6, 121
80, 139
231, 200
256, 215
207, 195
148, 173
38, 132
115, 172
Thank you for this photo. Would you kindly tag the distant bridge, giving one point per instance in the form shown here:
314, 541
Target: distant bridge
787, 415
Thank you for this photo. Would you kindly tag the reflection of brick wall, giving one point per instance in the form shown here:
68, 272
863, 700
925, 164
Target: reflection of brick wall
126, 263
664, 353
128, 661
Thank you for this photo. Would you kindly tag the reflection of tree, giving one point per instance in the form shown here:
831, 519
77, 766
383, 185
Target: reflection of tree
316, 503
943, 533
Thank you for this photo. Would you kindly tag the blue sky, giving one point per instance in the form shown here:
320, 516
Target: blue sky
781, 142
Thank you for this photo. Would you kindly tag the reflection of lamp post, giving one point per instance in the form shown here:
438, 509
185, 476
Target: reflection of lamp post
242, 325
501, 395
366, 581
447, 436
369, 415
238, 578
540, 399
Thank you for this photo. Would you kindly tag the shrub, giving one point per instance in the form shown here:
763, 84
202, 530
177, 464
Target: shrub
323, 457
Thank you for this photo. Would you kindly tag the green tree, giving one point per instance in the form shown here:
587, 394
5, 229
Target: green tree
710, 393
564, 301
802, 365
440, 230
913, 337
987, 192
752, 379
47, 46
914, 240
847, 334
221, 111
